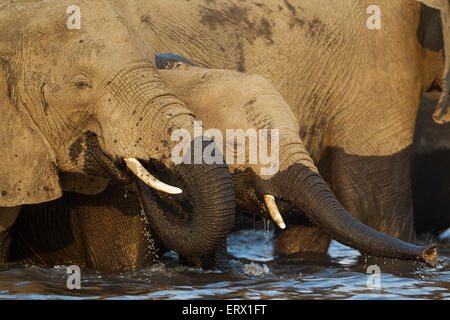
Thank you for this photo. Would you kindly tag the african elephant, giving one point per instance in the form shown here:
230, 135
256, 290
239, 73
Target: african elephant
225, 100
353, 88
79, 105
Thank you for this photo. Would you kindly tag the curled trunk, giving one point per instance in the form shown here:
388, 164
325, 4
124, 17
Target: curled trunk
199, 220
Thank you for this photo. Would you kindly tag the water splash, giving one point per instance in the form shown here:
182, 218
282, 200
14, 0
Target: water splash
256, 270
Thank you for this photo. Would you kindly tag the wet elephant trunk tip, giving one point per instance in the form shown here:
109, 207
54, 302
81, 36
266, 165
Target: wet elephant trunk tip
429, 255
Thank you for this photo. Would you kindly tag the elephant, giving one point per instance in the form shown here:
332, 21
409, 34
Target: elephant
84, 110
353, 88
110, 226
226, 100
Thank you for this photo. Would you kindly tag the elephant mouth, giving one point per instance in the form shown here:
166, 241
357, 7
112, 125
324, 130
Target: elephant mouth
164, 198
97, 163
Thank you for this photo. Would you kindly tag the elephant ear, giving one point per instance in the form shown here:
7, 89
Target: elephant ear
442, 113
436, 4
28, 168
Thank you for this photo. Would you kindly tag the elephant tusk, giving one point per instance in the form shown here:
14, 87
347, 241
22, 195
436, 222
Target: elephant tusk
134, 165
273, 210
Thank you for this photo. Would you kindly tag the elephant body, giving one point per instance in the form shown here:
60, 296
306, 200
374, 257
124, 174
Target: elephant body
88, 103
354, 91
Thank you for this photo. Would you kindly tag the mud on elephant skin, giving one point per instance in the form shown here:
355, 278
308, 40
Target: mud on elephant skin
431, 170
335, 75
79, 106
226, 100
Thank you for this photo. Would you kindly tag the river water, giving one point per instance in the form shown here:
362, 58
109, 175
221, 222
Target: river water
256, 274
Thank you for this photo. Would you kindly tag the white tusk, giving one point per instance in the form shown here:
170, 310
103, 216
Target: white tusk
273, 210
137, 168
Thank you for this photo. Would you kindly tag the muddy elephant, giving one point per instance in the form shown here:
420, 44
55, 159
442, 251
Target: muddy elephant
248, 119
80, 105
353, 88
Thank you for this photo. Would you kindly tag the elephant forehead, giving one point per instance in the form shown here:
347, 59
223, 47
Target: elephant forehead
103, 36
51, 21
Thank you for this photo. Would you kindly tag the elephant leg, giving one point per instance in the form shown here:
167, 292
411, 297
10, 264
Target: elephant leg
7, 218
102, 232
216, 260
114, 231
47, 234
375, 190
301, 238
431, 170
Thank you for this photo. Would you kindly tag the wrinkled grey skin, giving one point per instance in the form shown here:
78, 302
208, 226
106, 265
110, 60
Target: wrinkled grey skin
354, 91
225, 100
219, 99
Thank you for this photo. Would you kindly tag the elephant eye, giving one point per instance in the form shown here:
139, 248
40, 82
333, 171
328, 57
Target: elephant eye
82, 85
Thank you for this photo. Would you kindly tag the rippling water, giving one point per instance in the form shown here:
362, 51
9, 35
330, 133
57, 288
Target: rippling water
256, 274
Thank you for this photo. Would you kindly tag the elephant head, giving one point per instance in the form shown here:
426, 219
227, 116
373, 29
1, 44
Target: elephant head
82, 98
250, 102
442, 114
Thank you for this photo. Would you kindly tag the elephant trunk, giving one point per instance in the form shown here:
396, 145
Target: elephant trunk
208, 200
310, 193
195, 221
